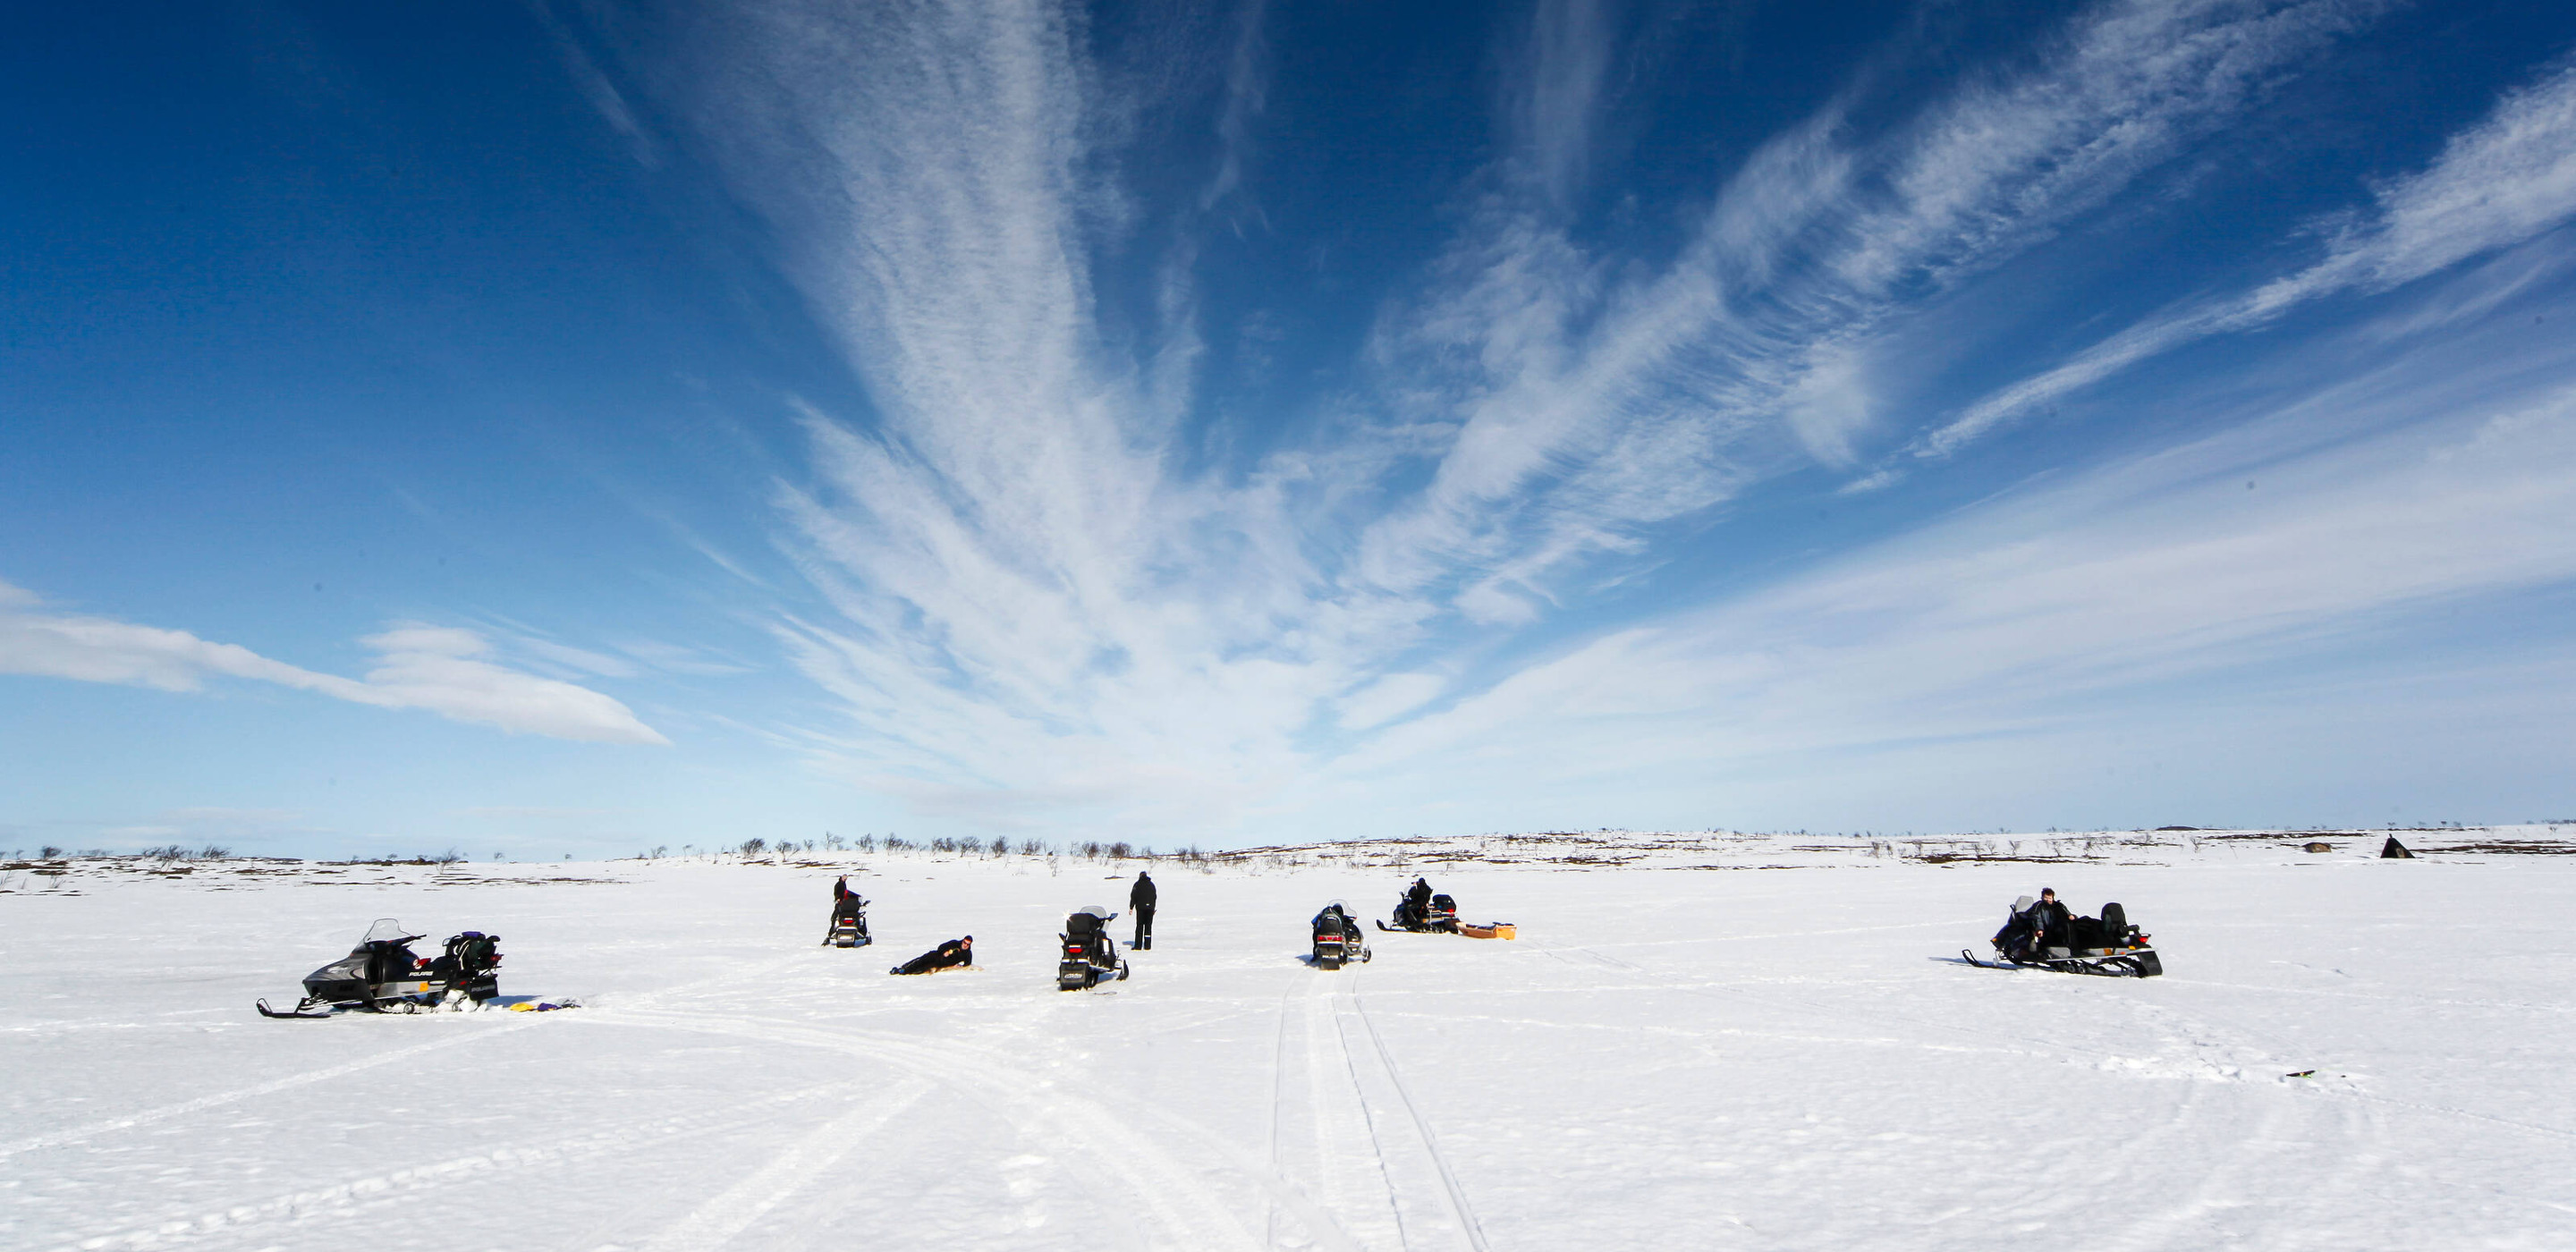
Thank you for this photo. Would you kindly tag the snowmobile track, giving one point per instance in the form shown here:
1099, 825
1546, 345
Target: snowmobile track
715, 1222
340, 1201
1466, 1214
292, 1081
1190, 1214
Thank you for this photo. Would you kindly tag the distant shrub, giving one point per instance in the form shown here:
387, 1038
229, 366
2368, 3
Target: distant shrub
753, 847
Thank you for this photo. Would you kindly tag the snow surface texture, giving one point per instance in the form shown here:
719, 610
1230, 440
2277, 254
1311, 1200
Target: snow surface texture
1777, 1058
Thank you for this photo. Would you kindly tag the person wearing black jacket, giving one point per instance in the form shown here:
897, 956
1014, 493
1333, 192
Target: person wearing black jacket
1140, 901
1417, 902
2049, 922
845, 907
952, 953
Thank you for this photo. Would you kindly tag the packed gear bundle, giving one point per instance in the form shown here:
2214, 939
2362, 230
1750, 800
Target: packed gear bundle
1090, 956
382, 975
2044, 935
1338, 940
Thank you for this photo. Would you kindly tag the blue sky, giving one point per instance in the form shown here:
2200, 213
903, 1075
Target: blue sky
555, 428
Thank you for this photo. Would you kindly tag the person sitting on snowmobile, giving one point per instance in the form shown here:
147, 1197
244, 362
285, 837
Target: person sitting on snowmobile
1417, 902
846, 907
953, 953
2033, 928
2049, 921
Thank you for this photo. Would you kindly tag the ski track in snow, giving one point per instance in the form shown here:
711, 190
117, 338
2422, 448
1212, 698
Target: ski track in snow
715, 1223
1430, 1142
355, 1198
1754, 1060
1189, 1214
479, 1032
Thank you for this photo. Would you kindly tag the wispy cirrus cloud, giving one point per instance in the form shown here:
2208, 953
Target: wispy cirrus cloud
2074, 607
1589, 409
1032, 608
438, 669
2507, 179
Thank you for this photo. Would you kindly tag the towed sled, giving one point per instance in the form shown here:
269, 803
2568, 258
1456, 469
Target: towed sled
383, 975
2107, 945
1440, 916
1338, 940
849, 924
1090, 956
1489, 930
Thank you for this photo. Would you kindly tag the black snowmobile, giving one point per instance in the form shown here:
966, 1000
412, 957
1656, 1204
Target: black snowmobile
1090, 955
1338, 940
849, 923
2107, 945
1438, 915
382, 975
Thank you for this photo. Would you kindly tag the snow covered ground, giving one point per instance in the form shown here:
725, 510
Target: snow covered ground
1733, 1057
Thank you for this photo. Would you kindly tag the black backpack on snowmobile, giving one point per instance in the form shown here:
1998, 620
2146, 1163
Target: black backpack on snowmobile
849, 923
2106, 945
382, 975
1090, 956
1337, 938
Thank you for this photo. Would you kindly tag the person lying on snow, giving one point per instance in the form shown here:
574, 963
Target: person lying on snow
953, 953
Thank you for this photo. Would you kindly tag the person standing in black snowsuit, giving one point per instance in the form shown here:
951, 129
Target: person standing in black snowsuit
952, 953
1140, 901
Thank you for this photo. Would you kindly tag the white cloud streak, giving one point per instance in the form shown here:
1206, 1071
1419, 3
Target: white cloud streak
2046, 610
1034, 616
437, 669
1592, 409
2500, 183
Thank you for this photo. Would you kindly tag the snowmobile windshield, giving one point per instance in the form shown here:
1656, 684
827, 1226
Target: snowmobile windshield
387, 930
1095, 910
